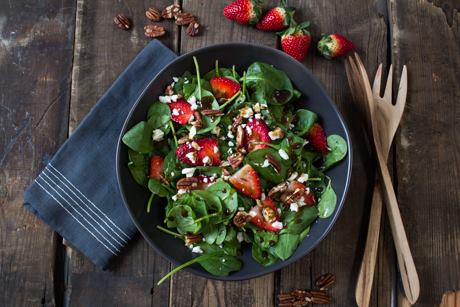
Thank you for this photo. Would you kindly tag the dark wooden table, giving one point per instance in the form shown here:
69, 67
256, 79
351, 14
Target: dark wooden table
58, 57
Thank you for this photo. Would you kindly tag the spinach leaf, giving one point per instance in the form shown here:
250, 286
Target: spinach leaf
269, 85
158, 116
221, 234
209, 124
299, 221
257, 159
183, 218
213, 205
304, 233
262, 256
138, 166
227, 195
157, 188
210, 233
139, 138
305, 119
172, 167
223, 72
338, 150
327, 202
286, 246
265, 239
220, 264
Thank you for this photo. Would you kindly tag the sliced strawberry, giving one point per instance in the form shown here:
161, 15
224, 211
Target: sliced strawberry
223, 87
256, 131
298, 193
156, 167
317, 138
201, 152
181, 111
246, 180
266, 216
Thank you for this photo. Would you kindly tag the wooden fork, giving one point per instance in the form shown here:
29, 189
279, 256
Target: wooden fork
382, 119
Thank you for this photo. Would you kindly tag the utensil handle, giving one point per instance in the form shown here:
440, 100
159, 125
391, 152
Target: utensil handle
366, 272
406, 264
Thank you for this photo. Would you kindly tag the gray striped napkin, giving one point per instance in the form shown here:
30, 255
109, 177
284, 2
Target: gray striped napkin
77, 192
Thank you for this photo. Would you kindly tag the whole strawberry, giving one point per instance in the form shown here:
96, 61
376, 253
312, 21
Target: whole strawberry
277, 18
317, 138
334, 45
296, 40
246, 12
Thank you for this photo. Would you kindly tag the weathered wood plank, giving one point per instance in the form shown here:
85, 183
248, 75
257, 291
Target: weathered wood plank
36, 48
341, 252
187, 289
428, 144
102, 52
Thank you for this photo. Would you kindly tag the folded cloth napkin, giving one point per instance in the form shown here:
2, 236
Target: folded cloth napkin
77, 192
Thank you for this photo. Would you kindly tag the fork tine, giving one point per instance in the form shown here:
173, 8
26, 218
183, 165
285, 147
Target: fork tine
402, 91
387, 96
377, 82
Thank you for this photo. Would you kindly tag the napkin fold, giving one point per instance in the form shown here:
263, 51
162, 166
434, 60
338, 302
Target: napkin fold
77, 193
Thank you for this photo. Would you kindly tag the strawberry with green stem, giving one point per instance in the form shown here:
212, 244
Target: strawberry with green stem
277, 18
246, 12
334, 45
296, 40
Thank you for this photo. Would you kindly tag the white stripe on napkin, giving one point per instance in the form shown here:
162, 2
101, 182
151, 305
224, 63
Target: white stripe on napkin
56, 192
70, 213
52, 168
83, 209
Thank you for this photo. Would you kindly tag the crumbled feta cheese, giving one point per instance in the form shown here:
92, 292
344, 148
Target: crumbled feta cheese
246, 112
305, 142
196, 146
191, 156
243, 126
276, 134
278, 210
291, 126
164, 99
277, 225
231, 144
249, 130
262, 196
223, 259
206, 160
175, 112
220, 245
307, 190
197, 249
258, 116
240, 208
181, 191
252, 213
293, 176
192, 132
216, 149
188, 172
191, 119
175, 79
283, 154
186, 82
263, 106
302, 178
191, 99
172, 84
174, 197
294, 207
266, 163
230, 134
225, 177
174, 98
230, 151
205, 179
172, 174
157, 135
256, 107
240, 237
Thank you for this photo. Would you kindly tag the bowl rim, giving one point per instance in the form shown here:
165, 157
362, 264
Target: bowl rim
281, 263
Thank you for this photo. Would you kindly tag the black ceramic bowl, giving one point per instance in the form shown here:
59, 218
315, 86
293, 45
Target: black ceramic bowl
241, 55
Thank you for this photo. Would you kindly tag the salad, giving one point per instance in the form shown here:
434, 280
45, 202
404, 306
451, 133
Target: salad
237, 163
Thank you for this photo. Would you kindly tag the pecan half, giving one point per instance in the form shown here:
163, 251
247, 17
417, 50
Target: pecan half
169, 91
236, 122
320, 297
122, 22
171, 11
191, 183
154, 31
325, 281
290, 197
225, 172
273, 162
241, 218
198, 121
183, 140
209, 112
235, 159
239, 136
192, 239
193, 28
280, 188
153, 14
183, 19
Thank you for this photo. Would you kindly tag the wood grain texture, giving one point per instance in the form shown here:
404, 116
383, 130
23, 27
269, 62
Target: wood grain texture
102, 52
341, 252
36, 47
428, 145
187, 289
